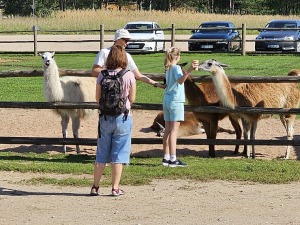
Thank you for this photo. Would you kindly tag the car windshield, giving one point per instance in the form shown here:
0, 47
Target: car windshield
282, 25
139, 28
212, 25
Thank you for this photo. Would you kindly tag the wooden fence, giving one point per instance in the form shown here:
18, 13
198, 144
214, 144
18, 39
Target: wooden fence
103, 34
158, 77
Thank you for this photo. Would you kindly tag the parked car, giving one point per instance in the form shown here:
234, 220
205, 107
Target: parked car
144, 38
229, 38
278, 39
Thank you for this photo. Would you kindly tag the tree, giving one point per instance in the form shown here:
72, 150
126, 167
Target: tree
46, 7
63, 5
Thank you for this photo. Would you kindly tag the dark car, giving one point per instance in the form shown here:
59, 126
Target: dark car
278, 39
225, 40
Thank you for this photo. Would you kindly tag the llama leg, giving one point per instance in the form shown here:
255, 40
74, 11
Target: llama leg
211, 148
252, 137
213, 135
238, 131
246, 133
283, 121
64, 126
289, 126
75, 128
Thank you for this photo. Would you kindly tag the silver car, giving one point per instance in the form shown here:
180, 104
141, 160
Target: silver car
146, 36
275, 38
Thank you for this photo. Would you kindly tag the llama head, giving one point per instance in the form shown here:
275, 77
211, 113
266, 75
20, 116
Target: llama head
47, 58
294, 72
212, 65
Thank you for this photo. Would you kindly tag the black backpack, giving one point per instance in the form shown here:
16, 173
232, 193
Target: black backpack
111, 101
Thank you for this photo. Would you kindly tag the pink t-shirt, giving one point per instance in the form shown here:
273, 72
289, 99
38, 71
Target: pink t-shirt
128, 80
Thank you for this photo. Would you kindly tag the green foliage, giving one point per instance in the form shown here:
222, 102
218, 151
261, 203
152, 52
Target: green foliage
18, 7
273, 7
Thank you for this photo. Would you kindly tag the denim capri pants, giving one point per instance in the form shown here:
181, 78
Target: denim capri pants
115, 142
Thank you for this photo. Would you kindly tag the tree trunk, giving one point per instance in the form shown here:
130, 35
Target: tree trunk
62, 5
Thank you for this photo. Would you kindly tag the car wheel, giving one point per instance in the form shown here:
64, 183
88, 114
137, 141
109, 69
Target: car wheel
155, 49
297, 46
235, 44
229, 47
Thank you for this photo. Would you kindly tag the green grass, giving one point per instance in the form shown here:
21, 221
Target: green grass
142, 171
30, 89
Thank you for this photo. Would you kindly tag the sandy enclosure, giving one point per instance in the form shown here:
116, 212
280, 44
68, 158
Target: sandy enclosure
44, 123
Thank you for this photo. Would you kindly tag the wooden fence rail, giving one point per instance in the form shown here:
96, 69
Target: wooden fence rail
144, 106
147, 141
181, 141
160, 77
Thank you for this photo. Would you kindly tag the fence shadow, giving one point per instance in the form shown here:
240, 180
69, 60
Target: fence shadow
39, 149
14, 192
156, 153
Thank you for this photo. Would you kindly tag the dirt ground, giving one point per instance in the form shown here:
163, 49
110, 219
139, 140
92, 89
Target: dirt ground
161, 202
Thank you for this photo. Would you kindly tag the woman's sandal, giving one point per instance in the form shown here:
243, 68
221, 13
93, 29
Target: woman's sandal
117, 192
94, 191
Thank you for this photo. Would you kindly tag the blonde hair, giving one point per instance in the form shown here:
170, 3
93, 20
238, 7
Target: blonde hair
170, 55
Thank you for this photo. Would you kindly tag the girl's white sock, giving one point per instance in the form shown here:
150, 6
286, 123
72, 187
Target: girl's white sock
167, 156
173, 158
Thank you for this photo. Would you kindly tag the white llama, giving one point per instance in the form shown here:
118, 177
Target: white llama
67, 89
268, 95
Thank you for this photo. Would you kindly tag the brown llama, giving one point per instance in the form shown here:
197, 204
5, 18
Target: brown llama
269, 95
190, 125
205, 95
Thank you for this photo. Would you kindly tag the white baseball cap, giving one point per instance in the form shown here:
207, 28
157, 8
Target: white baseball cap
122, 33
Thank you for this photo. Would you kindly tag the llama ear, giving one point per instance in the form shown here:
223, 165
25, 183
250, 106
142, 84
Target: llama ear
224, 65
52, 53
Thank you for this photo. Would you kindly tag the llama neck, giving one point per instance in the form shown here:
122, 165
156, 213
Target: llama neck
193, 93
52, 86
223, 88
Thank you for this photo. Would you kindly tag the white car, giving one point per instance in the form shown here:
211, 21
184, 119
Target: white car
143, 40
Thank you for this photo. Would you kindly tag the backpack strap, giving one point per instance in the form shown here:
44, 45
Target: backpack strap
105, 73
120, 75
121, 72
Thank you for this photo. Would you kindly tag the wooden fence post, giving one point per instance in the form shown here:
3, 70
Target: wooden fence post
35, 29
244, 39
173, 35
101, 36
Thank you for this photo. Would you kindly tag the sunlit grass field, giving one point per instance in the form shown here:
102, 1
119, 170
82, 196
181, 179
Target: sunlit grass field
112, 20
30, 88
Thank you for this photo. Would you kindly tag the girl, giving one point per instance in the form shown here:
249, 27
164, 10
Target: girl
173, 105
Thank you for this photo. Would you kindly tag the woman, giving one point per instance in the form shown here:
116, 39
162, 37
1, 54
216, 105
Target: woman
113, 145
